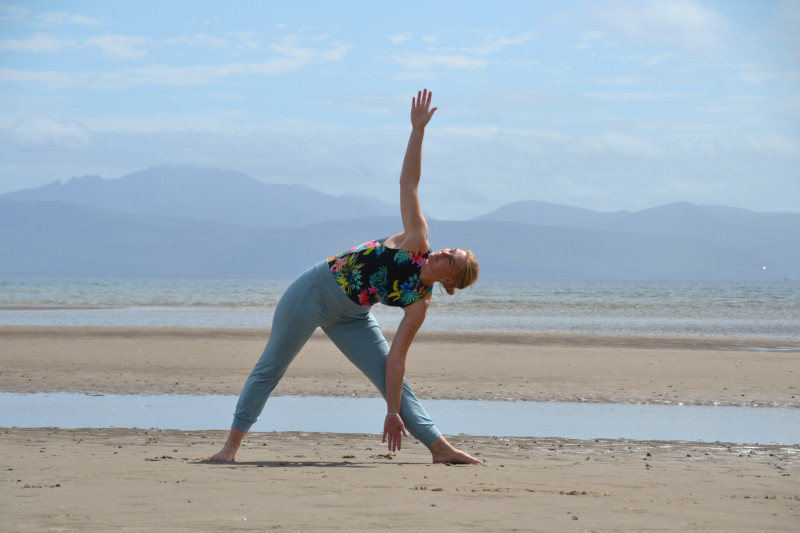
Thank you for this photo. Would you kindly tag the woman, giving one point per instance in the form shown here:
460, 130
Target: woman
336, 295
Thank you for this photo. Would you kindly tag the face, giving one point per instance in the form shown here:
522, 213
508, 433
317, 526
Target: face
446, 263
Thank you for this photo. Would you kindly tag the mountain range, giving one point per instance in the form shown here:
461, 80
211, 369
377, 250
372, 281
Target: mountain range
186, 221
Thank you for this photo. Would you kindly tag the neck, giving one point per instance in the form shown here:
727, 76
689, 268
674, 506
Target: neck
425, 275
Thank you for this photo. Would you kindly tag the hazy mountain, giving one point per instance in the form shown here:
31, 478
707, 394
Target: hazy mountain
543, 214
184, 221
54, 238
205, 194
677, 219
772, 236
57, 238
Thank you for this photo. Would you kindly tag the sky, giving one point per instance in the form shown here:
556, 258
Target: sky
606, 105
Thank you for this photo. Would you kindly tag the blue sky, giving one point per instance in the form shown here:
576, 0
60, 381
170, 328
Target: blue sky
608, 105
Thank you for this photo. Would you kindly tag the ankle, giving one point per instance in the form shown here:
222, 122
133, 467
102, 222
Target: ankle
440, 446
235, 438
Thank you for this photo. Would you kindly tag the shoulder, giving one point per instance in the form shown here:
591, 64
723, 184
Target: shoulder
411, 241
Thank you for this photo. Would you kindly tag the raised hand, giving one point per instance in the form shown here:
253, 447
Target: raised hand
421, 110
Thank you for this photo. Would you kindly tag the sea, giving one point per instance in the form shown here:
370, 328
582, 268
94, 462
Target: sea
766, 309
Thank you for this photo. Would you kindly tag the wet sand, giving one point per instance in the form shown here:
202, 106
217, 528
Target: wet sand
469, 366
153, 480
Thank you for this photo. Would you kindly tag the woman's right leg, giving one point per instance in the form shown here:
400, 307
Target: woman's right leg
363, 343
365, 346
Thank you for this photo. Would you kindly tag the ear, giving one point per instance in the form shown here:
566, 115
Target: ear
448, 282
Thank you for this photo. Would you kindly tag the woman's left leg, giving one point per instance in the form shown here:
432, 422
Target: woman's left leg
363, 343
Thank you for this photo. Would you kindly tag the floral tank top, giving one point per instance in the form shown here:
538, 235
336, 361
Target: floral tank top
372, 273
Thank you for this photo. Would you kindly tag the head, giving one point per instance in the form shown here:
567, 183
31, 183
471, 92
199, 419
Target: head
454, 268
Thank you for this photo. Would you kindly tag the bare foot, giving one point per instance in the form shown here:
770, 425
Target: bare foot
456, 457
228, 451
444, 452
225, 454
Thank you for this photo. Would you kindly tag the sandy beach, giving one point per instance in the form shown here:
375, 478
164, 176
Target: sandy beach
160, 480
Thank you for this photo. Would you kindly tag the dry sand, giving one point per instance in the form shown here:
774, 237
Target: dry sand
140, 480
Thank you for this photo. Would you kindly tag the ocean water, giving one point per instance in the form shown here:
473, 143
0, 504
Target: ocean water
682, 308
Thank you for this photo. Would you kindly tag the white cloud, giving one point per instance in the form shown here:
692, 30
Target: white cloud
375, 104
337, 52
756, 75
496, 43
119, 46
47, 133
230, 41
39, 43
15, 13
616, 81
423, 64
53, 79
592, 35
787, 108
568, 190
400, 38
640, 96
289, 59
116, 46
685, 24
55, 18
485, 133
659, 58
737, 105
788, 28
429, 61
767, 145
588, 38
23, 15
611, 143
420, 75
202, 39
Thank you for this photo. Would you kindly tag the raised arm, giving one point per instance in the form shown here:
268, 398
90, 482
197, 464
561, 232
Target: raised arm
415, 229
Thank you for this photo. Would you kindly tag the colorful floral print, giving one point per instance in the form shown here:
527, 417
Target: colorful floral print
371, 273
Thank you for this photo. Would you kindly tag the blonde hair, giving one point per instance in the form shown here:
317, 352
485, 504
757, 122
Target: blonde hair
466, 276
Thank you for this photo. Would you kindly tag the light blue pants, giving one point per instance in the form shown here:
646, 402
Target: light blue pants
316, 300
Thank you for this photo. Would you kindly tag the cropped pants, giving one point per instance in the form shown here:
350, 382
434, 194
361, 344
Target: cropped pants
315, 300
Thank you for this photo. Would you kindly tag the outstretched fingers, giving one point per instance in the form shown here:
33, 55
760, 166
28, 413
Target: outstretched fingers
421, 111
423, 98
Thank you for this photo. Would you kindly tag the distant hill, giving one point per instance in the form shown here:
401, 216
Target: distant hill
56, 238
204, 194
681, 219
185, 221
772, 236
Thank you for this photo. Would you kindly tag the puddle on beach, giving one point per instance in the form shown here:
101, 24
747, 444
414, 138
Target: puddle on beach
761, 425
